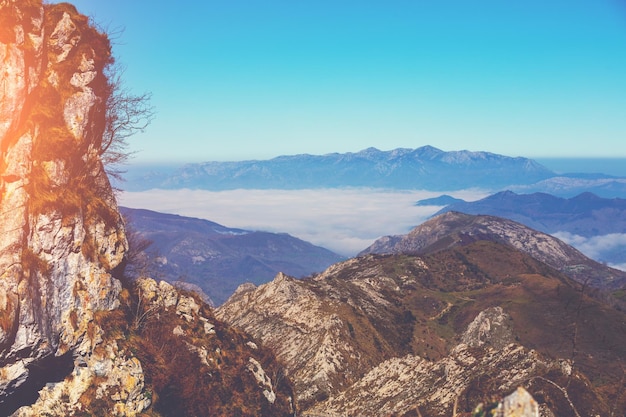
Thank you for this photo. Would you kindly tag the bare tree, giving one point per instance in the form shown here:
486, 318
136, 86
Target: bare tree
125, 115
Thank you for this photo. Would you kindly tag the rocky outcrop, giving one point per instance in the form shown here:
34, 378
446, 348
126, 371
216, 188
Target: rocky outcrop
210, 369
400, 385
61, 236
303, 332
491, 327
73, 341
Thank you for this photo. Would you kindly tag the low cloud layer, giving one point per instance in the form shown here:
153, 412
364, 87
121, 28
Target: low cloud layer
343, 220
596, 247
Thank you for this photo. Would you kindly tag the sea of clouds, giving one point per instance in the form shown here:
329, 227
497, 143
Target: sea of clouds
345, 221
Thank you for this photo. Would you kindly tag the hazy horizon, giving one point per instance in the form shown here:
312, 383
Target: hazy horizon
615, 166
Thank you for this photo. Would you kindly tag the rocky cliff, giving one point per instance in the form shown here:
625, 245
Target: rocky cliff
61, 235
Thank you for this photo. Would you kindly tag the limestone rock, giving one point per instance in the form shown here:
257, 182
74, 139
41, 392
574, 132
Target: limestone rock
399, 385
61, 235
518, 404
491, 327
262, 379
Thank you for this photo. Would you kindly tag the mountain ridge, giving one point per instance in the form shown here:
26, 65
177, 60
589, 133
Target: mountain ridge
585, 215
356, 338
371, 167
454, 228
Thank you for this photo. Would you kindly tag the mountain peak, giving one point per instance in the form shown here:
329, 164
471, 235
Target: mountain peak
453, 228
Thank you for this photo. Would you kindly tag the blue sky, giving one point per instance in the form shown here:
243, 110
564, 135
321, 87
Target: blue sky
235, 80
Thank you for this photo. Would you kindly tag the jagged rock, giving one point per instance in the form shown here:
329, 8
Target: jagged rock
491, 327
262, 379
296, 324
518, 404
61, 235
166, 295
118, 377
401, 384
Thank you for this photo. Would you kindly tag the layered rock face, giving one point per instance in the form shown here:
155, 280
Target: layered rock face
61, 235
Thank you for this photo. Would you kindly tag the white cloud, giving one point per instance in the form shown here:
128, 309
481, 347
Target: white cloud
343, 220
595, 246
621, 267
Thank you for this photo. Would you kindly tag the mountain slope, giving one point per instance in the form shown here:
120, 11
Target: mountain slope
585, 215
421, 168
568, 186
218, 259
452, 229
357, 338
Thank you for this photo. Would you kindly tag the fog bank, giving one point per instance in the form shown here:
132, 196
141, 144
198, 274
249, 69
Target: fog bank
345, 221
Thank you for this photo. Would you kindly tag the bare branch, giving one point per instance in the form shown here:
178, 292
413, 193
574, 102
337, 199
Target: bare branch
125, 115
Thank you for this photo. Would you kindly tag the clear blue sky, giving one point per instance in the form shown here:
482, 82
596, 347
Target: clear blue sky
238, 79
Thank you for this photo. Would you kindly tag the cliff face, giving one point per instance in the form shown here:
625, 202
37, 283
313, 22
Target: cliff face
61, 235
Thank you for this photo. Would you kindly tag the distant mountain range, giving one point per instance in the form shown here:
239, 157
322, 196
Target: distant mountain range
571, 185
216, 259
422, 168
585, 215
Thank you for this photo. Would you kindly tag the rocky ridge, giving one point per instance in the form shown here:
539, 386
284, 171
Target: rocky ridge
585, 215
402, 384
454, 228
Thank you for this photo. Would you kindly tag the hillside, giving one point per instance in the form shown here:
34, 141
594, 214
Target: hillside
217, 259
452, 229
421, 168
391, 334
